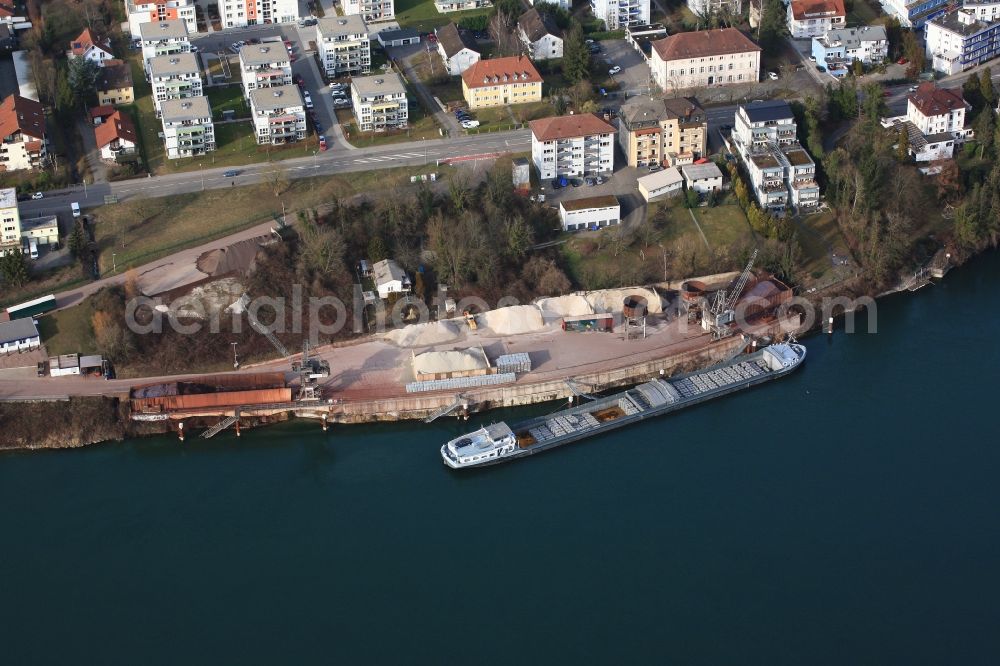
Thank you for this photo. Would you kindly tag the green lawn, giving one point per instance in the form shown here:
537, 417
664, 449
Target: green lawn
724, 225
423, 16
68, 331
862, 13
227, 98
505, 117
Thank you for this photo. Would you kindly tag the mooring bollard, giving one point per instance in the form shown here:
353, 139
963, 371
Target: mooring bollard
180, 430
324, 422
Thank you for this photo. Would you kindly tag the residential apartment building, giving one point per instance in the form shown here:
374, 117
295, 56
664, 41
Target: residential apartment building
279, 114
987, 11
188, 130
446, 6
163, 38
176, 76
705, 58
380, 102
239, 13
707, 8
91, 48
344, 46
541, 37
457, 49
10, 221
962, 39
370, 10
116, 136
154, 11
813, 18
662, 131
501, 81
838, 49
264, 66
914, 13
115, 83
936, 110
23, 140
617, 14
565, 4
782, 174
575, 145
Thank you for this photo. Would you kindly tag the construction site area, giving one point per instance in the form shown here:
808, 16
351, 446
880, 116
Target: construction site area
554, 348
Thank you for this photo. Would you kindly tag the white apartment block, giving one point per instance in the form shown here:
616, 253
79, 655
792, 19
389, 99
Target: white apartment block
154, 11
344, 46
838, 49
814, 18
163, 38
575, 145
782, 173
279, 114
240, 13
935, 110
617, 14
370, 10
565, 4
380, 102
188, 130
176, 76
10, 221
264, 66
705, 58
707, 8
962, 39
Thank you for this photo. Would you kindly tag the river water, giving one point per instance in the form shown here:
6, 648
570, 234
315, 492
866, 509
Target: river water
847, 514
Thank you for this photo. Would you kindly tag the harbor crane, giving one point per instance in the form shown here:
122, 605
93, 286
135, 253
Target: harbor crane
309, 369
722, 311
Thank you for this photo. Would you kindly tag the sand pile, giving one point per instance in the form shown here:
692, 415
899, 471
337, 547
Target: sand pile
611, 300
513, 320
424, 335
442, 362
558, 307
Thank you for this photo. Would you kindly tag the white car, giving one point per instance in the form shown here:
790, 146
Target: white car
308, 99
470, 124
812, 58
614, 70
773, 76
194, 48
37, 195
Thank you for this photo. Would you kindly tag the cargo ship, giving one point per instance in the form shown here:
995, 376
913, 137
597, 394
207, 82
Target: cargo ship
498, 442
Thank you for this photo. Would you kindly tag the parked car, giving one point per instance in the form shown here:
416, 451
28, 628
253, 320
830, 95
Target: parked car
594, 48
558, 183
614, 70
470, 124
772, 75
75, 208
37, 195
319, 128
812, 58
655, 166
590, 41
308, 98
322, 143
820, 68
902, 61
232, 173
913, 89
194, 48
341, 103
590, 181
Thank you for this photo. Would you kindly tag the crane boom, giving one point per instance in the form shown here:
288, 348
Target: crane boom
740, 284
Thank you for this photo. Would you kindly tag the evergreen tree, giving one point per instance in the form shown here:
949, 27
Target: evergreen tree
903, 145
773, 28
76, 241
986, 88
82, 75
576, 55
13, 269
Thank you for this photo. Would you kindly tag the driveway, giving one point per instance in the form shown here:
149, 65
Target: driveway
404, 55
98, 170
634, 79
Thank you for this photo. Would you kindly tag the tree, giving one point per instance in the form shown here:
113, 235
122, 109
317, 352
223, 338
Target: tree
82, 75
503, 29
13, 269
985, 129
773, 27
894, 35
576, 55
949, 180
277, 178
858, 67
691, 198
76, 241
903, 144
986, 88
111, 339
873, 104
913, 51
558, 99
322, 249
377, 251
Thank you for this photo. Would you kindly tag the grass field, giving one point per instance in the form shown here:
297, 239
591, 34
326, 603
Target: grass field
724, 226
862, 13
154, 228
423, 16
227, 98
68, 331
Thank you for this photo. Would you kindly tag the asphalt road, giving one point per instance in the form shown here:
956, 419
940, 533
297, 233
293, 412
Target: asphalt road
333, 161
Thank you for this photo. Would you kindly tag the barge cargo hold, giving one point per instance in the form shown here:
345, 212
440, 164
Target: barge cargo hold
499, 442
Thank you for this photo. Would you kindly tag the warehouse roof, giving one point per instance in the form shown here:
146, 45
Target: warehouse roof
600, 201
18, 329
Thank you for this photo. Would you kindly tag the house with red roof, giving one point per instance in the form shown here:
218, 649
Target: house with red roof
23, 142
89, 47
116, 136
724, 56
815, 18
575, 145
501, 81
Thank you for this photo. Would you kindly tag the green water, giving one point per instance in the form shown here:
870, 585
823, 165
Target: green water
845, 515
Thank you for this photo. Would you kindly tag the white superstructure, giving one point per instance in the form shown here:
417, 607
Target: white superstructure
617, 14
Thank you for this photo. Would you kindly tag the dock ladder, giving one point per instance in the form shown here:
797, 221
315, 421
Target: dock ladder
447, 409
220, 426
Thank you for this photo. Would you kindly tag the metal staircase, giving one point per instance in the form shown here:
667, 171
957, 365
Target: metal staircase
220, 426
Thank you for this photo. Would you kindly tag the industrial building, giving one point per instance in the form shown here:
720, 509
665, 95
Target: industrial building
18, 335
211, 393
590, 213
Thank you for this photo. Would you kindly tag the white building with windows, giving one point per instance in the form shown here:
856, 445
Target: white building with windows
19, 335
782, 174
590, 213
264, 66
10, 221
154, 11
565, 4
838, 49
704, 58
188, 130
23, 138
390, 278
380, 102
575, 145
457, 50
541, 38
240, 13
163, 38
370, 10
813, 18
344, 46
706, 8
702, 178
963, 38
174, 76
617, 14
279, 114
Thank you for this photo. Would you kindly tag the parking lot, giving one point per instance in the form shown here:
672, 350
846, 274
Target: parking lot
634, 79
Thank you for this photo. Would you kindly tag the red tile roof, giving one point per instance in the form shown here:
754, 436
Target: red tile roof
933, 101
83, 42
723, 41
101, 111
803, 10
498, 71
118, 125
566, 127
6, 11
20, 114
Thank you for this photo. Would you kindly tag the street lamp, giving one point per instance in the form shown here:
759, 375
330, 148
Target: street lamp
114, 264
202, 172
236, 363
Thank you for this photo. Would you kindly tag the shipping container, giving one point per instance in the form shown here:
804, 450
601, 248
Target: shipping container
32, 308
